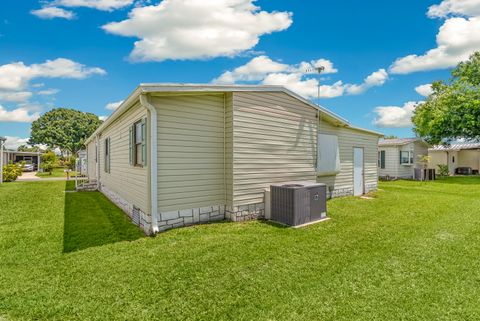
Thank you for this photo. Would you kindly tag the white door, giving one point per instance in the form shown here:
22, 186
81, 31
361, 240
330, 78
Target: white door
358, 171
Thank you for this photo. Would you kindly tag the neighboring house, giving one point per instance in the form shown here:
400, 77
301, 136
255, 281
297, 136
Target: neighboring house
175, 155
455, 156
398, 158
18, 157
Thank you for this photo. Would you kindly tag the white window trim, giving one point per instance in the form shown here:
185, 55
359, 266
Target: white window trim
410, 157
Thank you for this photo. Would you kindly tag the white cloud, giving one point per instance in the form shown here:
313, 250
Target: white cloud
460, 7
375, 79
48, 92
259, 67
424, 90
307, 88
22, 114
394, 116
114, 105
53, 12
307, 67
197, 29
106, 5
297, 78
15, 96
457, 38
13, 142
254, 70
16, 75
103, 118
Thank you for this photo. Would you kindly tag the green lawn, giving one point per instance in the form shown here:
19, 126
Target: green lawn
57, 172
412, 253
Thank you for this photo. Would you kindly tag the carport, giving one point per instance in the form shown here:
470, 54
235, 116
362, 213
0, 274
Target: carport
18, 157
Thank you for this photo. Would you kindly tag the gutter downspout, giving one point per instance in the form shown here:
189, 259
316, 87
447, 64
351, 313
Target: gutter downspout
153, 161
97, 158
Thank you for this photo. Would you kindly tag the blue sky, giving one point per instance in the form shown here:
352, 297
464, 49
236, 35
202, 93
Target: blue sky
74, 53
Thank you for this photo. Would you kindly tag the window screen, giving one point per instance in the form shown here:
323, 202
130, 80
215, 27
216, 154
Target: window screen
328, 155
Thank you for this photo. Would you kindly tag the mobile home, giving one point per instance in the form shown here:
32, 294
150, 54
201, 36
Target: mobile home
458, 155
399, 157
174, 155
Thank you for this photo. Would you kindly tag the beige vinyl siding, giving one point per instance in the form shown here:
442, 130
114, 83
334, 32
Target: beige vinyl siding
91, 160
191, 150
420, 150
274, 139
130, 182
348, 139
229, 148
437, 158
469, 158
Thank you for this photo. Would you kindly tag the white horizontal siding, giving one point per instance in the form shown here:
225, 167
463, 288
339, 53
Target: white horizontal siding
347, 140
130, 182
274, 140
191, 149
392, 161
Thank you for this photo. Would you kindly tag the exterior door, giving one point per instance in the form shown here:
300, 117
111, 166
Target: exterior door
358, 184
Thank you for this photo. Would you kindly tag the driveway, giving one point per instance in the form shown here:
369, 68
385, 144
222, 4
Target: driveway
28, 176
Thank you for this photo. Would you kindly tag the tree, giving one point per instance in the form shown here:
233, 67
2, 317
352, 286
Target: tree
49, 161
26, 148
64, 128
452, 111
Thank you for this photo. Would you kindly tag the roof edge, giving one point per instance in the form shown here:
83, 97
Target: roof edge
145, 88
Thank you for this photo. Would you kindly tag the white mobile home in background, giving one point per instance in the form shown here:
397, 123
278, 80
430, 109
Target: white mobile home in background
398, 158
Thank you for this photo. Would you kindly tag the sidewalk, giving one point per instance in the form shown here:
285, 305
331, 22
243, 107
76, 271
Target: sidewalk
30, 177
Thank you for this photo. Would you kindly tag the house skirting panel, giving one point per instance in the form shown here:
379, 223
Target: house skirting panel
245, 212
371, 187
214, 213
138, 217
341, 192
186, 217
348, 191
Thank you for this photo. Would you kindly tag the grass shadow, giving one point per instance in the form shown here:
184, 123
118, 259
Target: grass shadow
273, 223
91, 220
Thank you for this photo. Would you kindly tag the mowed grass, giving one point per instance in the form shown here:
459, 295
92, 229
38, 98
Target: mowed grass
411, 253
57, 172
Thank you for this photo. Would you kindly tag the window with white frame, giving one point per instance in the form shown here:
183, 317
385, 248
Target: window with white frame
406, 157
137, 144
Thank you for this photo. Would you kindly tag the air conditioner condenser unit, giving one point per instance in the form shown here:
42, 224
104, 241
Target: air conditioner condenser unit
298, 203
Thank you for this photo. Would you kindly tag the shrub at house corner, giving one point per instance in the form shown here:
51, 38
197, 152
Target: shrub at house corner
66, 129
